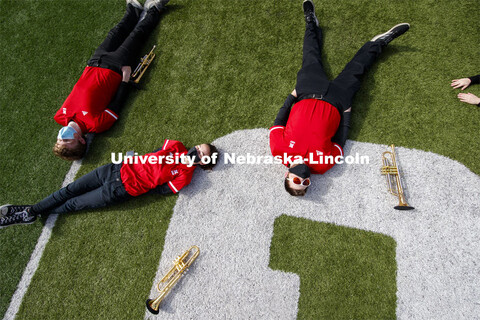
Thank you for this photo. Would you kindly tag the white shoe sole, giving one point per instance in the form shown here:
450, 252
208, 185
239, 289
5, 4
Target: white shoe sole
135, 3
383, 34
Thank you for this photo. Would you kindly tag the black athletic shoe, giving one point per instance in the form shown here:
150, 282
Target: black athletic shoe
393, 33
309, 12
23, 217
8, 209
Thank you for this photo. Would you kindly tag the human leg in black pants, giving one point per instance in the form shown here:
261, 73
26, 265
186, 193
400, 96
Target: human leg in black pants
129, 49
311, 79
347, 83
124, 41
100, 187
115, 37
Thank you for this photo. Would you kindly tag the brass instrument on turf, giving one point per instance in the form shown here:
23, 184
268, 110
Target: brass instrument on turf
394, 181
142, 66
175, 273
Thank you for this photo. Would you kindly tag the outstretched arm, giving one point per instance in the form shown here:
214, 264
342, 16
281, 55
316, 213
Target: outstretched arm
341, 135
465, 82
460, 83
469, 98
120, 97
284, 112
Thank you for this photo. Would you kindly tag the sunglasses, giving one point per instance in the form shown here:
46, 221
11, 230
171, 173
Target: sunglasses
297, 180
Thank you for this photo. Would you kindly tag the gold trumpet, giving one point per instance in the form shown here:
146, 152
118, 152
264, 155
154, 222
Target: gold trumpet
142, 66
391, 172
175, 273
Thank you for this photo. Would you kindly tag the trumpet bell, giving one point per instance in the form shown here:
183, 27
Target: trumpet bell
403, 207
153, 308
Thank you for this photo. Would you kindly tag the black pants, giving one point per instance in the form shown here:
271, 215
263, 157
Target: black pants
124, 41
100, 187
312, 82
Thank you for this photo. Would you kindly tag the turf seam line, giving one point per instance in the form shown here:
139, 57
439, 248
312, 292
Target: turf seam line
34, 261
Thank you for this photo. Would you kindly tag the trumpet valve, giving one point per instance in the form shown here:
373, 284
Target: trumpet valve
389, 170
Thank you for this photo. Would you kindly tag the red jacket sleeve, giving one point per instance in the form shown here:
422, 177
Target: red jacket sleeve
60, 117
105, 120
276, 139
180, 181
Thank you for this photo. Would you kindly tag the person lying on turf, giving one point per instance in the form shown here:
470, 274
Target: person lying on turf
97, 97
113, 183
313, 123
463, 84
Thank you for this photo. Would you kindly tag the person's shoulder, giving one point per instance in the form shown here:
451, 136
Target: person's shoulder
276, 131
174, 145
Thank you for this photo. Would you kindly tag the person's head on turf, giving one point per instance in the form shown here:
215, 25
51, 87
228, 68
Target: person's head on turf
71, 144
205, 155
297, 179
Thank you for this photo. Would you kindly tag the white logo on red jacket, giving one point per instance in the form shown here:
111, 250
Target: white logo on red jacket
292, 143
174, 172
84, 113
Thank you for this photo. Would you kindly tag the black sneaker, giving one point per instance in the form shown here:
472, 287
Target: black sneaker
8, 209
23, 217
309, 12
137, 6
393, 33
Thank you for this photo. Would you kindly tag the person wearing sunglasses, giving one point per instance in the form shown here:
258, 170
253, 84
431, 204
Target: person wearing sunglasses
313, 123
114, 183
98, 96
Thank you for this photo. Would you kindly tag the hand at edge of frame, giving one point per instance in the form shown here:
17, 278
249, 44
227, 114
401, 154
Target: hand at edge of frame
469, 98
461, 83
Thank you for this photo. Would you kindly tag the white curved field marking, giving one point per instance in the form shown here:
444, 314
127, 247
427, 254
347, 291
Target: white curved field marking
229, 213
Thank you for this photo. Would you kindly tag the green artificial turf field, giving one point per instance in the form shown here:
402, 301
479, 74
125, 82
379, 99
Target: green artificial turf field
221, 65
336, 262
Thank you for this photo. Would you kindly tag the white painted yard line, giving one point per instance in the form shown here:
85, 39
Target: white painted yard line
38, 252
